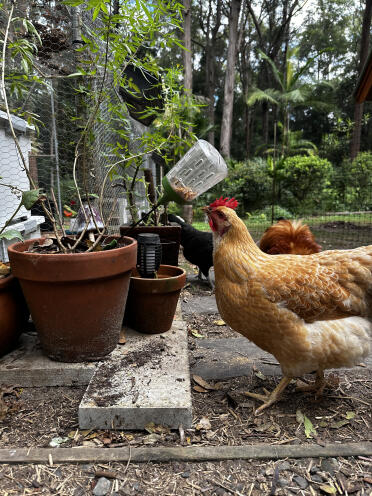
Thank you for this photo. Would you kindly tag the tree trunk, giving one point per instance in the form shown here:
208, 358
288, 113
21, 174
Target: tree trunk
210, 88
247, 125
211, 32
227, 113
187, 53
187, 58
358, 109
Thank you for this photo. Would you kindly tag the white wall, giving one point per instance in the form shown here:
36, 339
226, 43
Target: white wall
11, 172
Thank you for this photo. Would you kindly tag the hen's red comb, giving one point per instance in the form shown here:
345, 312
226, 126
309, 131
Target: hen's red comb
224, 202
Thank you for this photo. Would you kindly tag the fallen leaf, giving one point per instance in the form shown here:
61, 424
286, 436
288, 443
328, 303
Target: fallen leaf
203, 424
340, 423
260, 375
308, 426
350, 415
85, 432
122, 338
151, 427
299, 416
219, 322
327, 489
362, 364
92, 435
4, 269
46, 242
152, 438
199, 389
196, 334
57, 441
204, 384
89, 444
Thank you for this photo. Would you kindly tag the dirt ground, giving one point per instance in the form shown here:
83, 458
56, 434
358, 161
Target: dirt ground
223, 415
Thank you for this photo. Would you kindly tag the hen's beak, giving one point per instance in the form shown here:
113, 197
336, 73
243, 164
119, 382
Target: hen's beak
207, 210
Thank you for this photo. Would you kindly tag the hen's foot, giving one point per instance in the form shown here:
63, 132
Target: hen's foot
318, 385
270, 398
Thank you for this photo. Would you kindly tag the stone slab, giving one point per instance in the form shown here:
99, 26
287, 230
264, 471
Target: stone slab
26, 366
200, 305
147, 380
224, 358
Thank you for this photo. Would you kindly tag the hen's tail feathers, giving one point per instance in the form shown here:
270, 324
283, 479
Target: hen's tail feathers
176, 218
291, 237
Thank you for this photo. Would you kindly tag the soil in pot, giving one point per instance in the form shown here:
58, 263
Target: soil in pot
77, 301
14, 313
170, 238
152, 303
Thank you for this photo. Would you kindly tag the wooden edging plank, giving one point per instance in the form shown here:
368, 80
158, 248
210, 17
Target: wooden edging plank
193, 453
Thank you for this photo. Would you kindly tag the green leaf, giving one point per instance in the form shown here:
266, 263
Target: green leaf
299, 416
196, 334
29, 198
309, 428
11, 234
260, 375
350, 415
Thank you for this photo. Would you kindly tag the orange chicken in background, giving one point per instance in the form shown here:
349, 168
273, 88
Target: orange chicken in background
288, 236
311, 312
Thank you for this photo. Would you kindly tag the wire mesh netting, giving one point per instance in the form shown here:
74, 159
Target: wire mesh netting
59, 108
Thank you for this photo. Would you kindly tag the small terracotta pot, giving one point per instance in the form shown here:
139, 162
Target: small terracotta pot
14, 313
152, 303
77, 300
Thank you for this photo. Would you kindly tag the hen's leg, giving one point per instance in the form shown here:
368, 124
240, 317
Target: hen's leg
270, 398
318, 385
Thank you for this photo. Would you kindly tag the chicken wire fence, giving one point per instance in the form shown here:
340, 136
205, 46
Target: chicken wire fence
59, 118
50, 145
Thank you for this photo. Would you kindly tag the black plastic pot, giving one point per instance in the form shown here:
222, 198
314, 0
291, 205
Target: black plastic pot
170, 238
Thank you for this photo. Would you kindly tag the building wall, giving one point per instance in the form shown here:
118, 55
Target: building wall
12, 173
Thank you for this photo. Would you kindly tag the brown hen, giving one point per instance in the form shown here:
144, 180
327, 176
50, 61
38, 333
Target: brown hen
311, 312
288, 236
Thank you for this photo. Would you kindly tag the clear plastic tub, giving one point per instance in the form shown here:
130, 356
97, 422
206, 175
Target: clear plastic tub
197, 171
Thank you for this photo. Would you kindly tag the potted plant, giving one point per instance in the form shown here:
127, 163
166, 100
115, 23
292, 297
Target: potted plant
75, 288
14, 313
170, 235
68, 278
154, 289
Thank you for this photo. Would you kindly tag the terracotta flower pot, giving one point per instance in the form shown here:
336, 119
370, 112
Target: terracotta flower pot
152, 303
77, 301
13, 313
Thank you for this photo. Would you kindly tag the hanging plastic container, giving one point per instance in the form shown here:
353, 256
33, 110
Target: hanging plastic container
197, 171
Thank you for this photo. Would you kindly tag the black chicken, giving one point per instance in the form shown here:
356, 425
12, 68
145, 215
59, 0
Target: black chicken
197, 246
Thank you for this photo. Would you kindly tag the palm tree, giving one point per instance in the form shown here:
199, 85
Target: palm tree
292, 92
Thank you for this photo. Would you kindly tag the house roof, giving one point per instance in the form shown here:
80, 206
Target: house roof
19, 124
363, 91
